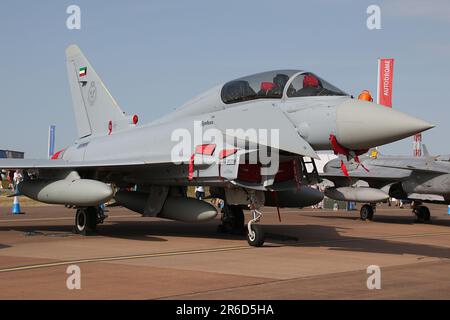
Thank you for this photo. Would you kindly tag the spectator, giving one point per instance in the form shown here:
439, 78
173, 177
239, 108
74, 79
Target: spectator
18, 178
199, 192
218, 203
2, 177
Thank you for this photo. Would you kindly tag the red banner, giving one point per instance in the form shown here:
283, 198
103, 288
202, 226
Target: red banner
385, 76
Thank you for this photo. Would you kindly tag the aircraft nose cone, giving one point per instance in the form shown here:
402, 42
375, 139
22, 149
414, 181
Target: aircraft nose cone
361, 125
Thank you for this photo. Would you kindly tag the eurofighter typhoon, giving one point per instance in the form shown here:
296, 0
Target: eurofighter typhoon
250, 140
420, 179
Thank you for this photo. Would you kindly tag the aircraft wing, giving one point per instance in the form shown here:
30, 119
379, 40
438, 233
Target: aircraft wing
375, 177
419, 167
63, 164
426, 197
374, 181
266, 118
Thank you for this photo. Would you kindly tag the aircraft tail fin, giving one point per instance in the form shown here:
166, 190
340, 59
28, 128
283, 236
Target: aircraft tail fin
425, 151
96, 111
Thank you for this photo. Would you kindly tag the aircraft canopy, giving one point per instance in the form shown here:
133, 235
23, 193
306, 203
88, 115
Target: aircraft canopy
272, 85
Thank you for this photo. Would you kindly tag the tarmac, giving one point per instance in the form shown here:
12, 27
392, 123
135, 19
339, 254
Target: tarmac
311, 254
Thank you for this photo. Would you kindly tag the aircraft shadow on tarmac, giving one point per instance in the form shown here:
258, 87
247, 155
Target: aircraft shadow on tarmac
388, 219
278, 235
331, 237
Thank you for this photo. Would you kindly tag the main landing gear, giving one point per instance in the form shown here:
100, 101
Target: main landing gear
366, 212
422, 213
86, 220
233, 220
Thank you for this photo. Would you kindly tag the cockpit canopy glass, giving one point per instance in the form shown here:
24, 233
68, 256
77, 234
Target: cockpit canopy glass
308, 84
262, 85
271, 85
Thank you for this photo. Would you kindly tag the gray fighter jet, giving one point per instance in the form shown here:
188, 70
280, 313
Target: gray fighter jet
420, 179
250, 140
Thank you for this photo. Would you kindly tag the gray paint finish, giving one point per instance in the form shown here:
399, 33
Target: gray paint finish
125, 153
424, 178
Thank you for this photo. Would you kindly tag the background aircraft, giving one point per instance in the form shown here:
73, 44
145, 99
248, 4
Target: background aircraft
307, 113
421, 179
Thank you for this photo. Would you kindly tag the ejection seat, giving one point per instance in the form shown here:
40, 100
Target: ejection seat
238, 90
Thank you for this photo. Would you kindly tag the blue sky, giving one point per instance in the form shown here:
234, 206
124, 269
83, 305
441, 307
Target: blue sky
155, 55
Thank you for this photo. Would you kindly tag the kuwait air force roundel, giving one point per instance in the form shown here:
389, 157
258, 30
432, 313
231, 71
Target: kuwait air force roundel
92, 93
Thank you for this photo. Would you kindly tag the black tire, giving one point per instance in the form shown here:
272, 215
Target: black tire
423, 214
86, 221
239, 220
366, 212
419, 217
233, 220
256, 238
427, 215
221, 229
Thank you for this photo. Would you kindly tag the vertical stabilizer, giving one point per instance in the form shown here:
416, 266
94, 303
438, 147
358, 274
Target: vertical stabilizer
425, 151
93, 105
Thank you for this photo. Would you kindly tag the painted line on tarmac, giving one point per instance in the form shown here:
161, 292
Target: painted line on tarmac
212, 250
118, 258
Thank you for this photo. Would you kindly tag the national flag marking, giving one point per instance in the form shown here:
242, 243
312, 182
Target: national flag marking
83, 71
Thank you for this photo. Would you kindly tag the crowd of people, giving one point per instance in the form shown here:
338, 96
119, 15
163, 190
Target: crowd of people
13, 178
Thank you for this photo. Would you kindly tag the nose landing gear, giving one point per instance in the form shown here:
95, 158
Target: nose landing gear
255, 235
233, 220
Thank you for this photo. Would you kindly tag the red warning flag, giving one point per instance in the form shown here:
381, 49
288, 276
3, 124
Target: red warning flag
344, 169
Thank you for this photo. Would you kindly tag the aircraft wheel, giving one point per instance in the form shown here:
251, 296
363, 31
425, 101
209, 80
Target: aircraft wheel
221, 229
255, 238
423, 214
239, 220
86, 221
366, 212
427, 215
233, 220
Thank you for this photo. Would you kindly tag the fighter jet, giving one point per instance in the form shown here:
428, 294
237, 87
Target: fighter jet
249, 140
420, 179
